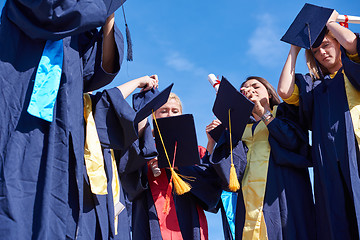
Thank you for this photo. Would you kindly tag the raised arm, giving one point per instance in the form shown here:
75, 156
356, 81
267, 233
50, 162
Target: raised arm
109, 45
287, 78
144, 82
343, 35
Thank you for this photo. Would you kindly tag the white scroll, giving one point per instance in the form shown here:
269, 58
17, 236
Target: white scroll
214, 81
351, 19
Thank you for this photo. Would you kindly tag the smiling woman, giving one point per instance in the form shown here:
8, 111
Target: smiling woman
271, 162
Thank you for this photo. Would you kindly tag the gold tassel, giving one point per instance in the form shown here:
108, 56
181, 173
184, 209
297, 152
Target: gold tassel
234, 184
180, 186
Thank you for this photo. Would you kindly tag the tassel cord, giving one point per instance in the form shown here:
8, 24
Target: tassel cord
234, 184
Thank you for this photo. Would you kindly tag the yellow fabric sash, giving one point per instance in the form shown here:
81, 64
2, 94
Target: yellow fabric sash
254, 180
353, 97
115, 186
94, 160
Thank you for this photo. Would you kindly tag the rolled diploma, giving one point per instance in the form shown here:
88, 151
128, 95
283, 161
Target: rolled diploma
352, 19
214, 81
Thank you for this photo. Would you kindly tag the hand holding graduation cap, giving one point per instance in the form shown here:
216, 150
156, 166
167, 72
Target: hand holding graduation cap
333, 17
211, 142
211, 126
145, 82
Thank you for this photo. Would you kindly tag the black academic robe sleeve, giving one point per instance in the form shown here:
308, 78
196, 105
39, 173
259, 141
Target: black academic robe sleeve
221, 159
57, 19
139, 153
284, 130
90, 44
206, 187
351, 68
306, 99
114, 120
289, 142
132, 165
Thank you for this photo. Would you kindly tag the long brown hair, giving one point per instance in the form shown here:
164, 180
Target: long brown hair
273, 97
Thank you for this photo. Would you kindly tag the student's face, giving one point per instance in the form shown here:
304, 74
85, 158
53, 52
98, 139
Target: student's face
169, 109
328, 54
255, 91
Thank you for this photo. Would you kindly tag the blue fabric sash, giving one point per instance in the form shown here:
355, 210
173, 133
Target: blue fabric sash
229, 200
47, 81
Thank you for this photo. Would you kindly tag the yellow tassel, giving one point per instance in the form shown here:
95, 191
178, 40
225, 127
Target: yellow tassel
234, 184
180, 186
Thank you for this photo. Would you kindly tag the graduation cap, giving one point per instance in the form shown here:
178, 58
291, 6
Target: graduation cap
230, 99
176, 142
177, 132
112, 6
144, 103
309, 27
233, 109
217, 132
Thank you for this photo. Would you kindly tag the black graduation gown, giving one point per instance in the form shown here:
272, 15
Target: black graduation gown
324, 109
288, 206
114, 122
205, 193
41, 163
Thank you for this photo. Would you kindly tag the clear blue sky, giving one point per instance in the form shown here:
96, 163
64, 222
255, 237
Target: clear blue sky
183, 41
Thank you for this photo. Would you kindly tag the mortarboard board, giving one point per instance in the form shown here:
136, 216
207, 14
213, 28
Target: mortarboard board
233, 109
180, 130
112, 6
309, 27
146, 102
217, 132
240, 108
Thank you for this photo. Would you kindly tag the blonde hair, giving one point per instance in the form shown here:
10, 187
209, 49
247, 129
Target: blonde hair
311, 61
177, 99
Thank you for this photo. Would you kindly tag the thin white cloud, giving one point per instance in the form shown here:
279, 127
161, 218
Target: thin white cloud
265, 46
181, 64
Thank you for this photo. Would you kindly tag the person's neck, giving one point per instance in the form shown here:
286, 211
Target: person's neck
335, 68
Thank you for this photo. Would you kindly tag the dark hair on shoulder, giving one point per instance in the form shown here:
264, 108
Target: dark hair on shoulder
273, 97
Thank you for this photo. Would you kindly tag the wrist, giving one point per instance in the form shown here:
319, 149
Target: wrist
266, 116
331, 21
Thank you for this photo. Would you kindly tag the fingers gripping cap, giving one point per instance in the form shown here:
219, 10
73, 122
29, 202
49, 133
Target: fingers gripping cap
146, 102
